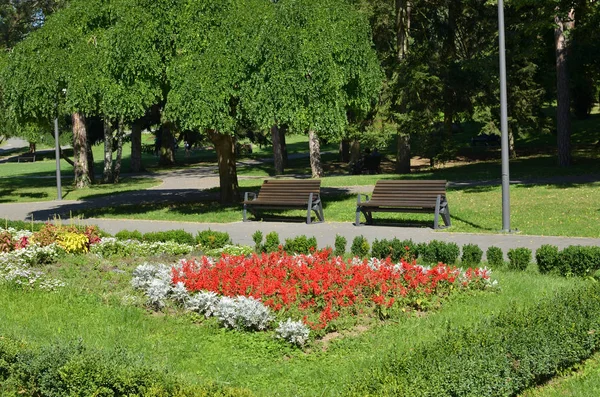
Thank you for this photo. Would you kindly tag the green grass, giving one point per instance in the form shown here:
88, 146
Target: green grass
90, 308
553, 210
13, 190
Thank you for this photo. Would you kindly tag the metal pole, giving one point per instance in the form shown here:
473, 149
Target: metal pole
57, 154
504, 124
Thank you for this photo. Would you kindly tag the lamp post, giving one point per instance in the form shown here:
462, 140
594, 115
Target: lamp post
57, 155
504, 123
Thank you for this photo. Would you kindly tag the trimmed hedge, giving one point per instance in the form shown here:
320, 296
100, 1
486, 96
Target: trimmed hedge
578, 260
546, 257
471, 255
178, 235
439, 251
300, 245
519, 258
211, 239
73, 370
500, 356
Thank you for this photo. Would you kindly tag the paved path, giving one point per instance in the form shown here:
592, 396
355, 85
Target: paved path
192, 184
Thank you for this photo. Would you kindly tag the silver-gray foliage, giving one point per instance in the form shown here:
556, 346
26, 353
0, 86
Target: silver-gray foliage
204, 302
243, 313
294, 332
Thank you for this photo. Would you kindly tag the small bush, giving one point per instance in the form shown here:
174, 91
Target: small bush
395, 249
300, 245
129, 235
179, 236
294, 332
360, 247
6, 243
546, 257
519, 258
439, 251
495, 257
73, 243
243, 313
257, 237
340, 245
271, 242
577, 260
210, 239
471, 255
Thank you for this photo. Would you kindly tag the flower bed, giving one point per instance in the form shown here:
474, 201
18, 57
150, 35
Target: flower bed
319, 288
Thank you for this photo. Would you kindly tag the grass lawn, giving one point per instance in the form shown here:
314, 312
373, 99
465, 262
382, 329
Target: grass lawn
93, 308
557, 210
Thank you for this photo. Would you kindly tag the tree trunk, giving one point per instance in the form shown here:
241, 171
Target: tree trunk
563, 120
315, 154
80, 148
277, 150
32, 147
512, 152
345, 151
284, 153
136, 146
107, 175
167, 150
355, 151
120, 133
228, 181
90, 162
403, 154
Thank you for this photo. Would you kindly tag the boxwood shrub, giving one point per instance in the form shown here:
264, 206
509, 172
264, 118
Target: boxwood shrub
547, 258
495, 257
519, 258
499, 356
471, 255
340, 245
211, 239
129, 235
300, 245
178, 235
578, 260
439, 251
360, 247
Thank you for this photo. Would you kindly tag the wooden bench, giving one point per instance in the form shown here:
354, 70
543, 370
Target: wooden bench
26, 157
406, 196
287, 194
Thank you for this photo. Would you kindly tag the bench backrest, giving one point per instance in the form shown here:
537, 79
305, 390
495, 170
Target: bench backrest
409, 193
282, 190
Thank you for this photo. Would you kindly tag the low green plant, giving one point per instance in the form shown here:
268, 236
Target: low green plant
578, 260
360, 247
439, 251
271, 242
547, 258
340, 245
471, 255
300, 244
519, 258
210, 239
495, 257
129, 235
257, 237
179, 235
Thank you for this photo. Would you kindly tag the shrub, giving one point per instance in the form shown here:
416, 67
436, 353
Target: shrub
257, 237
498, 356
519, 258
204, 302
294, 332
129, 235
495, 257
72, 242
471, 254
578, 260
340, 245
271, 242
439, 251
547, 258
229, 250
210, 239
300, 245
6, 243
179, 236
360, 247
243, 313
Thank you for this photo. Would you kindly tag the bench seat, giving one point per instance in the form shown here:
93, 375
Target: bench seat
406, 196
286, 194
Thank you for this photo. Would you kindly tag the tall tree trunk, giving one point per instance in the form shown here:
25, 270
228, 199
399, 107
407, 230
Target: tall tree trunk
345, 150
80, 148
563, 119
277, 150
107, 175
120, 134
136, 146
512, 152
403, 11
449, 57
90, 161
403, 154
228, 182
284, 153
315, 154
32, 147
355, 151
167, 150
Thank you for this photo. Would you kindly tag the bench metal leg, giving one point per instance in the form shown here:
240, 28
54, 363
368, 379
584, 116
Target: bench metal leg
445, 212
244, 214
436, 217
357, 223
308, 216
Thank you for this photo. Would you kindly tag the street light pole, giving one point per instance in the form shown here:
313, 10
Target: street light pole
504, 123
57, 155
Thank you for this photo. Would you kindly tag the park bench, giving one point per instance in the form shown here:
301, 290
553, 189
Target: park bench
286, 194
406, 196
26, 157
